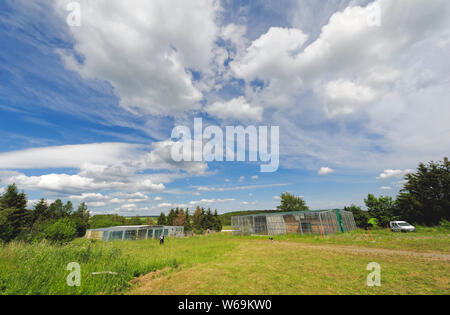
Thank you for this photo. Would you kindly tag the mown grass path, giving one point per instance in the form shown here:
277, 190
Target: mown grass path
288, 267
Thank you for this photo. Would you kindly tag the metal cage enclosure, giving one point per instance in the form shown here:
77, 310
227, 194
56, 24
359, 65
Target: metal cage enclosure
141, 232
323, 222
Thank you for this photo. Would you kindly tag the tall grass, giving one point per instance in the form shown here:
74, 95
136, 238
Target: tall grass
42, 268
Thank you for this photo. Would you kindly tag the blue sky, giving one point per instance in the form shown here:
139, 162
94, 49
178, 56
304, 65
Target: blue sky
86, 112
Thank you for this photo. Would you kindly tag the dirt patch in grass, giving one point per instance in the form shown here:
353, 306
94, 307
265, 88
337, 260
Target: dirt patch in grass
142, 280
377, 251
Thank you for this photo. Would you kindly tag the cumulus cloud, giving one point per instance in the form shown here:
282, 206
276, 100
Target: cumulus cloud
89, 197
270, 55
357, 80
348, 65
394, 174
237, 109
268, 63
325, 171
145, 49
102, 166
344, 96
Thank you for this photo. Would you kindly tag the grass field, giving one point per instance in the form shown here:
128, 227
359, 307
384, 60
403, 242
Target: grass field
417, 263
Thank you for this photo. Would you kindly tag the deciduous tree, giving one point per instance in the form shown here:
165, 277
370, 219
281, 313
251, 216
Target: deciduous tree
292, 203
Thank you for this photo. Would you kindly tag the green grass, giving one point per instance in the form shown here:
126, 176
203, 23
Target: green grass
223, 264
41, 268
424, 240
259, 267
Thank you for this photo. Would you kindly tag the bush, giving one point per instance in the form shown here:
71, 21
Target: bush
373, 222
445, 224
62, 231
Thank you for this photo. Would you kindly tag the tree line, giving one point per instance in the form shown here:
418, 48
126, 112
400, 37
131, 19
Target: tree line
56, 222
199, 222
424, 199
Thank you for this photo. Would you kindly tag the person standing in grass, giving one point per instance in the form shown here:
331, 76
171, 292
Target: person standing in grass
161, 239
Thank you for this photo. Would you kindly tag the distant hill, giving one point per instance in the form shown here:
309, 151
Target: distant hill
226, 217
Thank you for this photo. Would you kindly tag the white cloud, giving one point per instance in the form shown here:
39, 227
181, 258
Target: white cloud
137, 200
276, 198
145, 49
130, 206
161, 158
68, 156
157, 198
237, 109
270, 60
89, 197
55, 182
96, 204
394, 174
164, 205
117, 200
325, 171
231, 188
236, 35
255, 177
210, 201
338, 66
270, 55
344, 96
114, 166
385, 188
241, 179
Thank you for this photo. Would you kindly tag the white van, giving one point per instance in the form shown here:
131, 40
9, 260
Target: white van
401, 226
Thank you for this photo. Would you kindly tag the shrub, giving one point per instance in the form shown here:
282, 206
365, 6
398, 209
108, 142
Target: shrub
373, 222
62, 231
445, 224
